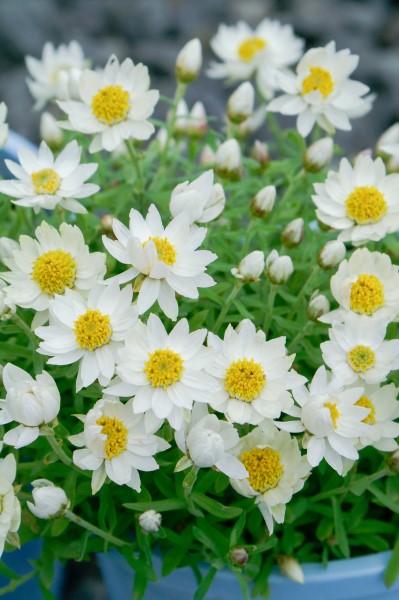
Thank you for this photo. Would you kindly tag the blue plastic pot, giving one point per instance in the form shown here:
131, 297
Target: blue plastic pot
352, 579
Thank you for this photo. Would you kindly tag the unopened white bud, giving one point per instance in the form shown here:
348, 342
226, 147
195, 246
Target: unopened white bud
278, 268
7, 308
331, 254
318, 155
50, 132
181, 118
390, 136
49, 501
207, 156
318, 306
150, 521
263, 203
228, 162
293, 232
250, 267
189, 61
240, 105
291, 568
162, 137
7, 248
197, 123
260, 153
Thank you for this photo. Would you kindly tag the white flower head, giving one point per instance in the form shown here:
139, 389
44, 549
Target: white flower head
189, 61
252, 375
45, 182
201, 199
30, 402
359, 201
167, 258
382, 428
115, 106
321, 91
276, 470
54, 76
114, 443
3, 124
150, 521
88, 330
164, 371
49, 500
263, 52
250, 267
11, 508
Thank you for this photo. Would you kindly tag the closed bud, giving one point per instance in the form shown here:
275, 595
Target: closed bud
293, 232
260, 153
181, 118
291, 568
240, 105
7, 308
197, 123
49, 501
150, 521
239, 555
189, 61
106, 225
318, 155
207, 156
390, 136
7, 248
162, 137
278, 268
263, 203
228, 162
50, 132
331, 254
318, 306
250, 267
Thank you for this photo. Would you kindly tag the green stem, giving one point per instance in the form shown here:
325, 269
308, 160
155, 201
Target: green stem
302, 292
269, 308
137, 168
301, 334
25, 328
16, 583
227, 305
344, 489
48, 432
96, 530
248, 238
179, 95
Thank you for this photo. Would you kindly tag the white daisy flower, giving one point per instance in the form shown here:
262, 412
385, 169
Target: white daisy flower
252, 375
276, 470
384, 410
164, 371
88, 330
50, 264
264, 52
3, 124
45, 182
206, 442
366, 284
115, 106
321, 91
201, 200
10, 506
29, 401
167, 258
56, 74
114, 444
357, 350
359, 201
332, 418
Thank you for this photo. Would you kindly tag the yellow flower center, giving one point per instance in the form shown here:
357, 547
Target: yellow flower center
250, 47
163, 368
367, 294
334, 412
166, 252
361, 358
367, 403
365, 205
54, 271
319, 79
46, 181
111, 104
244, 379
92, 329
116, 434
264, 468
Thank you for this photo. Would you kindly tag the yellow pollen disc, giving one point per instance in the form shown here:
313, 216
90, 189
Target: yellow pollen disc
111, 104
319, 79
367, 294
54, 271
244, 379
46, 181
365, 205
165, 250
334, 412
367, 403
361, 358
163, 368
250, 47
116, 434
264, 468
92, 329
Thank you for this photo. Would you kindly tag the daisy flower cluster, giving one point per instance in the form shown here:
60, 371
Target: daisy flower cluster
210, 337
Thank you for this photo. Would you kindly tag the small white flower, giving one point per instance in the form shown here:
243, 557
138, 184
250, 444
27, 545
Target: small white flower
49, 500
263, 202
384, 411
11, 508
189, 61
228, 161
332, 253
276, 470
50, 132
3, 124
29, 402
293, 232
88, 330
45, 182
150, 521
240, 105
360, 201
279, 268
250, 267
116, 445
115, 106
318, 155
201, 199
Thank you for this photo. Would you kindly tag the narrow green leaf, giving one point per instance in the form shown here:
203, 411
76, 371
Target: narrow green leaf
340, 531
237, 529
205, 584
392, 570
210, 537
172, 559
383, 498
215, 508
157, 505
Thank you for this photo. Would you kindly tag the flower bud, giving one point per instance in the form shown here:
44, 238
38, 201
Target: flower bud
228, 162
240, 105
106, 225
251, 124
291, 568
162, 137
197, 123
293, 232
7, 248
318, 155
189, 61
331, 254
50, 132
278, 268
390, 136
250, 267
263, 203
181, 118
207, 156
239, 555
318, 306
260, 153
150, 521
49, 501
7, 308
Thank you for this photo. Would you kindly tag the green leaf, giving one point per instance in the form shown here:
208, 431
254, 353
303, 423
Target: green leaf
205, 584
383, 498
237, 530
340, 531
215, 508
157, 505
211, 537
392, 570
4, 570
172, 559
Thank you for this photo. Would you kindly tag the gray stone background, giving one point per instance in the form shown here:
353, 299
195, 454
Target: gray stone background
153, 31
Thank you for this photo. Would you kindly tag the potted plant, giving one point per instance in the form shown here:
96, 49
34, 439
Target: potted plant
199, 331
